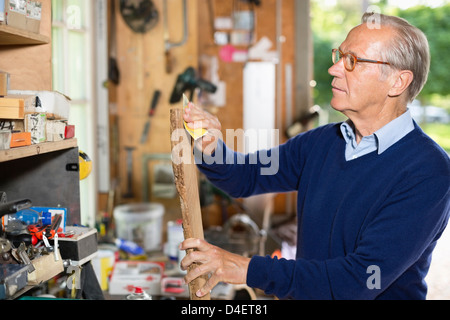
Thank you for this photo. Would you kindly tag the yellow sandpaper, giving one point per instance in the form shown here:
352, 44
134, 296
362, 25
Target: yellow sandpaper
195, 133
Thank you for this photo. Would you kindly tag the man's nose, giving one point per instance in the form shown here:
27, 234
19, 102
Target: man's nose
337, 69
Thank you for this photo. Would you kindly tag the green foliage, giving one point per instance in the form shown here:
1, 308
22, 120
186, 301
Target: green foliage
322, 58
435, 23
330, 25
440, 133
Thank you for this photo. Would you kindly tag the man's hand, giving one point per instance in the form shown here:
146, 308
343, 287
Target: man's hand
221, 265
198, 118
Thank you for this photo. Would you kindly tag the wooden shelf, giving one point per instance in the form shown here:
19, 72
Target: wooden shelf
14, 36
36, 149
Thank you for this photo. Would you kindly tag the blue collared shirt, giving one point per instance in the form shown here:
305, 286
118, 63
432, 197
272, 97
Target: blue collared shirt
380, 140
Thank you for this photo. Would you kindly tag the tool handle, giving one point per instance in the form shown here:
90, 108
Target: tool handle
14, 207
155, 100
168, 62
56, 222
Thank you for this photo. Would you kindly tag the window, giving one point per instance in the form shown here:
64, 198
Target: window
72, 39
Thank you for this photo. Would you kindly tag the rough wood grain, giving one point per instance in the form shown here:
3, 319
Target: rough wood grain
185, 173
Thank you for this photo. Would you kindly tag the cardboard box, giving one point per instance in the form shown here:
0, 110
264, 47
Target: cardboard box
129, 274
53, 212
70, 132
12, 125
16, 13
35, 123
20, 139
56, 130
16, 106
30, 102
175, 287
55, 104
34, 15
5, 140
46, 267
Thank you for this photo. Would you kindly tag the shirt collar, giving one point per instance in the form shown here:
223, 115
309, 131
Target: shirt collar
386, 136
394, 131
348, 133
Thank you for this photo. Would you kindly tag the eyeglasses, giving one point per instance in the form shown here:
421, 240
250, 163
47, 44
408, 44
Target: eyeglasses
351, 60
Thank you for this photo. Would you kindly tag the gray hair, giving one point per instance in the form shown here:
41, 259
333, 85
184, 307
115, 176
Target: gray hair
408, 49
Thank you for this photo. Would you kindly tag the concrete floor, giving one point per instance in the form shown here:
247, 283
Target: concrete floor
438, 278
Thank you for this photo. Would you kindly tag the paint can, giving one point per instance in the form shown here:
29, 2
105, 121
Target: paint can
139, 294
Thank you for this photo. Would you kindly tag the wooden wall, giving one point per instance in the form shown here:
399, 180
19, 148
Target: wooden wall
30, 67
141, 62
231, 116
266, 24
142, 66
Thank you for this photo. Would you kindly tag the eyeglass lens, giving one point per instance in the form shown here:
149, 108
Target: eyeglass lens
349, 60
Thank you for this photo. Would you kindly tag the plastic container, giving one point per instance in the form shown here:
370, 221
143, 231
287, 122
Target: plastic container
175, 236
140, 223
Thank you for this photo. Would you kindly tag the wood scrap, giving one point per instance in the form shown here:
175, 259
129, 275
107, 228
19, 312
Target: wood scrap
185, 172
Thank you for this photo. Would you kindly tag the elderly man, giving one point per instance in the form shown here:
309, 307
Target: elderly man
373, 192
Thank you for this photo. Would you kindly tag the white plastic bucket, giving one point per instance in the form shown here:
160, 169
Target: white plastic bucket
140, 223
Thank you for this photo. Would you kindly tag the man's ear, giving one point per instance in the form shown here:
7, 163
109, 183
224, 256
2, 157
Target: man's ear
402, 80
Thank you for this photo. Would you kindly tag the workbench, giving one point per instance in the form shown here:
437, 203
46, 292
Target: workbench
37, 172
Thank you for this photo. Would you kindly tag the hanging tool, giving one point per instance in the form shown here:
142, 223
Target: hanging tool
139, 17
129, 194
113, 66
151, 112
169, 45
187, 81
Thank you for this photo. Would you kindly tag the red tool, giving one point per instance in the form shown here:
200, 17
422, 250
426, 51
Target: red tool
37, 231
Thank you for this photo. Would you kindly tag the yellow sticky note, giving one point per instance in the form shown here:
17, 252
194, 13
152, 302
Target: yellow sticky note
195, 133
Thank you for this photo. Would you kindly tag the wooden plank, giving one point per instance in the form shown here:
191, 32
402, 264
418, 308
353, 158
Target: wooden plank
185, 172
12, 108
14, 36
41, 148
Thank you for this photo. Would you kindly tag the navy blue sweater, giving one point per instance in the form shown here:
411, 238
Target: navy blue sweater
366, 227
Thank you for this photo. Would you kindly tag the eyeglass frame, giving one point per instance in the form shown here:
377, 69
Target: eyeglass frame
357, 59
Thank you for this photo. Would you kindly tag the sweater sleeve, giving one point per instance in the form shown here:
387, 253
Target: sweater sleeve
401, 234
265, 171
